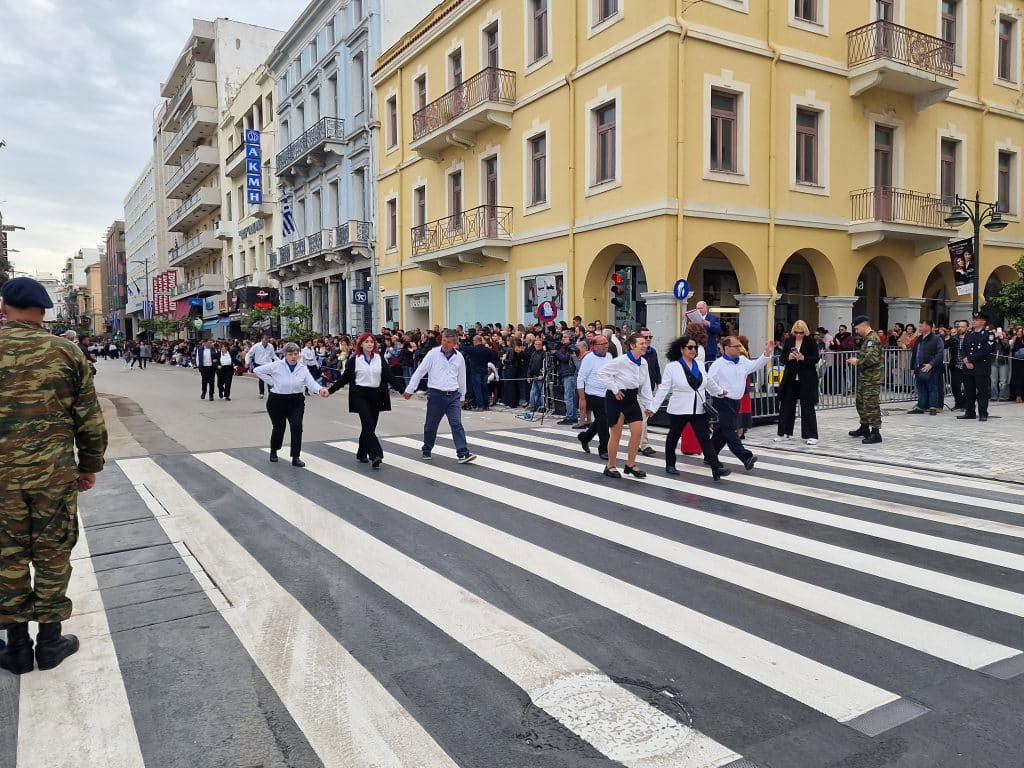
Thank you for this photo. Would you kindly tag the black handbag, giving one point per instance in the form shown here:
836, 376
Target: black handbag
710, 411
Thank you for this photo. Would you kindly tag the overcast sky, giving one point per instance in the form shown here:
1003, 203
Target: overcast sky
79, 80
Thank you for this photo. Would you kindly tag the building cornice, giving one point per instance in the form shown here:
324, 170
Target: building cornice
443, 16
312, 17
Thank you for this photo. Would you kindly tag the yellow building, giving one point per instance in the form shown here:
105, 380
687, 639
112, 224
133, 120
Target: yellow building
789, 159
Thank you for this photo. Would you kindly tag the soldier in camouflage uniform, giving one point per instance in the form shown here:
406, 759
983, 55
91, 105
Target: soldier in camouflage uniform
47, 407
869, 381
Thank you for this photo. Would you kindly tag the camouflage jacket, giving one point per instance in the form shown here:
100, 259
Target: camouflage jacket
47, 406
869, 359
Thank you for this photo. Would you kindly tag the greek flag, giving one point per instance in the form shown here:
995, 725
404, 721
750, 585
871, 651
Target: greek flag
147, 310
288, 221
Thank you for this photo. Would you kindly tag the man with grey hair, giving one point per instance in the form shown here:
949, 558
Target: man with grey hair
445, 369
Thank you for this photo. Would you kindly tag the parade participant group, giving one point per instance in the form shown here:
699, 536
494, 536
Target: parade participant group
611, 379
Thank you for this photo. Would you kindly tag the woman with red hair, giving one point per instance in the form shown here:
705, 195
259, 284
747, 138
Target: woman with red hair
370, 379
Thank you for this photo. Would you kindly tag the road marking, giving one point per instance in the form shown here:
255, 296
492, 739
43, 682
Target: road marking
78, 714
931, 581
925, 636
529, 658
348, 717
975, 552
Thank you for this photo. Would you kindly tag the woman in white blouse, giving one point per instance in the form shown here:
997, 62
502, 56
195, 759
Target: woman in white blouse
369, 378
288, 379
627, 398
686, 386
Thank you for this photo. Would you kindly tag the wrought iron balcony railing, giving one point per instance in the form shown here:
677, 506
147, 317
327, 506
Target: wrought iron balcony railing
282, 256
298, 249
486, 222
885, 40
487, 85
352, 231
240, 282
899, 206
327, 129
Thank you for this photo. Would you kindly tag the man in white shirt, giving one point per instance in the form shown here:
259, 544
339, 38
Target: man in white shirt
206, 361
730, 373
590, 387
261, 354
445, 369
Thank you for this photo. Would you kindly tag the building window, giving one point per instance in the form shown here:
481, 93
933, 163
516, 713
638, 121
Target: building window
314, 53
359, 76
806, 10
419, 87
724, 118
1006, 172
949, 150
392, 224
419, 213
538, 30
1006, 62
357, 12
392, 118
538, 192
491, 46
455, 68
455, 199
329, 34
605, 9
950, 29
806, 146
605, 167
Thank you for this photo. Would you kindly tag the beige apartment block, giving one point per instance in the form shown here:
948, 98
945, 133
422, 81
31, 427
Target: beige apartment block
93, 307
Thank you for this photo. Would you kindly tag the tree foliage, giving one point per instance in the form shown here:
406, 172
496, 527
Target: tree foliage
293, 320
1010, 300
164, 326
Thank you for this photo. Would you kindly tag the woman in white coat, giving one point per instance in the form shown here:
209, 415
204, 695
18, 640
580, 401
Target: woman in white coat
686, 386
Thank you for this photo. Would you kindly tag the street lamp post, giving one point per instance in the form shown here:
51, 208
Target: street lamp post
980, 214
144, 261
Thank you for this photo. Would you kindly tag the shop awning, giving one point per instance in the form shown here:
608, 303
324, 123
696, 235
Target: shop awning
216, 325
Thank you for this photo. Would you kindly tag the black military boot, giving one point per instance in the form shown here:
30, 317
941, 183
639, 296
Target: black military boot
17, 656
52, 647
874, 437
863, 431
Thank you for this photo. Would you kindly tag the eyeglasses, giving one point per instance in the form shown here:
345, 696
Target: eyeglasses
647, 337
798, 333
690, 346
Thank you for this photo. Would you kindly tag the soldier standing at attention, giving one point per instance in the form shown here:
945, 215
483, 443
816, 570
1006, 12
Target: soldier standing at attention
47, 407
869, 381
977, 353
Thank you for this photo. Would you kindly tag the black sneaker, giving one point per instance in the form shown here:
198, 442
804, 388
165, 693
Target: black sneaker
467, 458
426, 455
916, 410
648, 451
580, 426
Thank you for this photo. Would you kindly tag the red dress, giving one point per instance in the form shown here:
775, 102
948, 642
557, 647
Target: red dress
688, 443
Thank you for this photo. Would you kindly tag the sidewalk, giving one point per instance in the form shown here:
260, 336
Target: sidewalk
993, 450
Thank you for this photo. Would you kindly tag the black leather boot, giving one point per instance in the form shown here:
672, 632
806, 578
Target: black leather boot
52, 647
863, 431
873, 437
16, 658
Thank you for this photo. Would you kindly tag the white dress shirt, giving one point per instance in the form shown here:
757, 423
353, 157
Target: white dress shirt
225, 358
731, 375
286, 381
586, 377
445, 373
623, 373
260, 354
682, 398
204, 356
307, 356
368, 373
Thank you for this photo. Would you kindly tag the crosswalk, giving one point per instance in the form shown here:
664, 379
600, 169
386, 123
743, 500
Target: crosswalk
526, 611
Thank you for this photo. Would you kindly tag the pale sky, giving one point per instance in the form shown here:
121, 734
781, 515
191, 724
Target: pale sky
79, 81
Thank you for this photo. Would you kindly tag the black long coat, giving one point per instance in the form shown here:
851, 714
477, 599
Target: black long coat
804, 388
348, 376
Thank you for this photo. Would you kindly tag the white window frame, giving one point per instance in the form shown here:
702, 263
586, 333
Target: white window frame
420, 182
603, 99
522, 275
392, 198
743, 6
528, 66
486, 153
493, 18
390, 148
725, 82
457, 45
536, 130
1013, 15
457, 166
595, 27
1014, 207
358, 75
959, 50
809, 101
819, 27
420, 72
898, 148
950, 132
898, 12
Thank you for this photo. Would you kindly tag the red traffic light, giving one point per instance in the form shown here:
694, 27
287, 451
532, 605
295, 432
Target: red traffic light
617, 278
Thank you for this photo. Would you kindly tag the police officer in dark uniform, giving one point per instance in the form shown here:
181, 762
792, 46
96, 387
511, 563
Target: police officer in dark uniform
977, 353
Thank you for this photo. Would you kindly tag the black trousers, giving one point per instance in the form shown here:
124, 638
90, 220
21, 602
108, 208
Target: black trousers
725, 429
956, 383
598, 423
808, 418
207, 374
977, 387
286, 409
676, 424
225, 374
366, 403
142, 362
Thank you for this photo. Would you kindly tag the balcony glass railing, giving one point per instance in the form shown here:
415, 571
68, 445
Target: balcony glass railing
185, 168
488, 85
888, 41
328, 128
184, 249
180, 211
487, 222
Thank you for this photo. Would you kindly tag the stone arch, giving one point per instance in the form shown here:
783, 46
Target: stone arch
804, 276
997, 278
938, 291
719, 273
880, 278
596, 284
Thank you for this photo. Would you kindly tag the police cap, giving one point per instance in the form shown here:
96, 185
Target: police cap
980, 316
24, 293
861, 319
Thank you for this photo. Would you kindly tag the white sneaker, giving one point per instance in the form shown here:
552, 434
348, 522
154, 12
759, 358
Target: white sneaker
782, 438
812, 441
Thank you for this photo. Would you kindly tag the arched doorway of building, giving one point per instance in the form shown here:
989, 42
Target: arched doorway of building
718, 274
1000, 276
881, 278
796, 292
938, 292
613, 287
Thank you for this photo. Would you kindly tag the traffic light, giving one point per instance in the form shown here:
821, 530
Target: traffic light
616, 289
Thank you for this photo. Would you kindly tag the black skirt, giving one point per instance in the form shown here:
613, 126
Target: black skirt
628, 407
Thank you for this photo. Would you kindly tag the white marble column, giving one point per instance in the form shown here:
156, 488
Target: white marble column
663, 318
903, 310
960, 310
834, 311
333, 307
317, 306
754, 319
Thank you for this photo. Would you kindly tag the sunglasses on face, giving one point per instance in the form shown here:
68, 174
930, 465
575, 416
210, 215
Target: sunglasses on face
690, 346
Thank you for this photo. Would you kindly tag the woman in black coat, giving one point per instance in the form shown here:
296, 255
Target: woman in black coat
799, 384
369, 378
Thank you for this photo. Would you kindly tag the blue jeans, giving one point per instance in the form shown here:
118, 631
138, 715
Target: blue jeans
569, 393
439, 405
478, 380
537, 394
927, 390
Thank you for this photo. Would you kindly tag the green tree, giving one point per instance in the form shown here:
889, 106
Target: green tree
293, 320
1010, 300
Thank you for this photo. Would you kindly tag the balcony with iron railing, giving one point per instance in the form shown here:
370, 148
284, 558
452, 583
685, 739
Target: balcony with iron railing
239, 282
353, 233
193, 209
469, 237
327, 135
486, 99
202, 245
280, 257
234, 165
888, 213
197, 124
194, 169
895, 58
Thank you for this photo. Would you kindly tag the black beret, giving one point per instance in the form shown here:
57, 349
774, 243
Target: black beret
861, 319
24, 292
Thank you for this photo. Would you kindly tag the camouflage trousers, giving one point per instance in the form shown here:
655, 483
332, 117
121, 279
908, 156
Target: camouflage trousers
868, 409
37, 526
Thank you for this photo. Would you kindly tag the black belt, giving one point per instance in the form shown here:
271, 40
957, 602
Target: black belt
448, 392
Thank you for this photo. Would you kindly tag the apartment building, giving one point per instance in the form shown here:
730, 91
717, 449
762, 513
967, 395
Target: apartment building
787, 159
115, 289
325, 161
216, 58
93, 308
142, 253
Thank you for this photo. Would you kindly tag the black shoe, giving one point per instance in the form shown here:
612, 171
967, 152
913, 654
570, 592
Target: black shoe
17, 657
567, 421
297, 462
915, 410
580, 426
874, 437
584, 443
966, 416
466, 458
228, 398
52, 647
376, 462
932, 411
612, 473
603, 455
635, 471
362, 460
956, 408
426, 455
671, 471
863, 431
983, 418
720, 471
273, 456
648, 451
748, 464
202, 396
